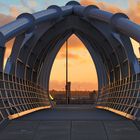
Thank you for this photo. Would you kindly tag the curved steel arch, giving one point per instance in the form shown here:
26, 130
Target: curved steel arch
38, 38
47, 51
49, 61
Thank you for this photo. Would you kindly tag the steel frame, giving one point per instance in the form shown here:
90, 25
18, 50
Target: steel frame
24, 83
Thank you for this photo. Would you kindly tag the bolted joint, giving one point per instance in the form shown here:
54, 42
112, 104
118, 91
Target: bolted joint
31, 18
114, 19
88, 9
57, 8
73, 3
2, 40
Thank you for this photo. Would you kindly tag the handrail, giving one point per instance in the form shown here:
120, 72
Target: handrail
121, 96
20, 97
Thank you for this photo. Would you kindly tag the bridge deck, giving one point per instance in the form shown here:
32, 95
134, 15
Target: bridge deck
71, 123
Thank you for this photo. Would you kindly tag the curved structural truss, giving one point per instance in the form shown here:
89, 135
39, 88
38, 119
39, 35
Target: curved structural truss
38, 38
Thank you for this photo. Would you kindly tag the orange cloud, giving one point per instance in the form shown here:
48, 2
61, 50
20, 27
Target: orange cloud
14, 11
133, 10
73, 43
4, 19
102, 5
70, 55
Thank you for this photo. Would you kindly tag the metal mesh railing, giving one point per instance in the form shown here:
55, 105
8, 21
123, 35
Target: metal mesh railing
18, 95
122, 96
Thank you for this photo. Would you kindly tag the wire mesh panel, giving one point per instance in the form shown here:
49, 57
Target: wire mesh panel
122, 97
1, 117
18, 95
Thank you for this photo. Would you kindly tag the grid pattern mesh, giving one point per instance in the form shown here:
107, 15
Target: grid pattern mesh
17, 95
122, 95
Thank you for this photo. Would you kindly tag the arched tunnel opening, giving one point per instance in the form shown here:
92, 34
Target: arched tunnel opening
81, 74
38, 37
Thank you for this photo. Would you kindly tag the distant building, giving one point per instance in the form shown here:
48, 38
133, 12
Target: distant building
78, 97
59, 96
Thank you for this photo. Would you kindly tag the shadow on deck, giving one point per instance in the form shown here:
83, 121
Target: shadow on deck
71, 122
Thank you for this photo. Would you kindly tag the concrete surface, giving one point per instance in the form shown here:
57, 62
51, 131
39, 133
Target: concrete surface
71, 123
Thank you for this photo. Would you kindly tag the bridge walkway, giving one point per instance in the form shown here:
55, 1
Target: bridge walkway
72, 122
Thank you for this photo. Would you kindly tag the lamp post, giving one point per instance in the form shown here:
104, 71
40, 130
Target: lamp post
67, 86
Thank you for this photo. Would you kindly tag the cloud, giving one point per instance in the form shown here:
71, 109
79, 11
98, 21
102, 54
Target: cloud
4, 19
102, 5
74, 46
14, 11
133, 10
24, 6
30, 5
70, 55
73, 43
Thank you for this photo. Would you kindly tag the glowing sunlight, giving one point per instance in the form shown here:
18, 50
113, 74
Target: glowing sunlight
82, 72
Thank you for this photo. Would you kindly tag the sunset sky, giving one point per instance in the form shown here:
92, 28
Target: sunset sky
79, 58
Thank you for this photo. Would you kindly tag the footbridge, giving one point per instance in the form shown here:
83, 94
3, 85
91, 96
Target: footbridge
24, 81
